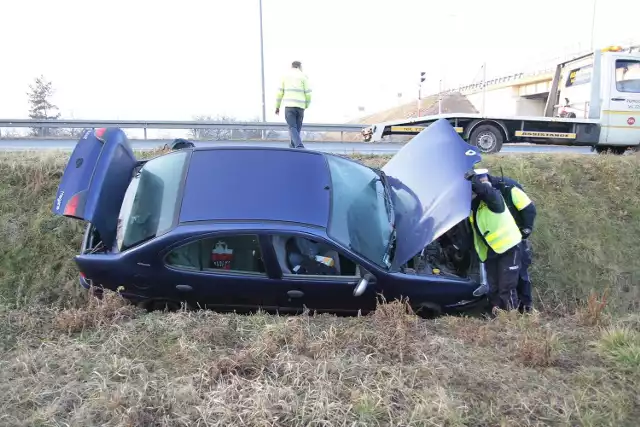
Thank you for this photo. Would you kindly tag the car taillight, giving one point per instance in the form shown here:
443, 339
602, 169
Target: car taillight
72, 206
99, 133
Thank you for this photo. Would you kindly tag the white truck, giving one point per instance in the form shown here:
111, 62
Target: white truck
594, 100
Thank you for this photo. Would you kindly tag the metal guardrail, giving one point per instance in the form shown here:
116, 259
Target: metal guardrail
169, 124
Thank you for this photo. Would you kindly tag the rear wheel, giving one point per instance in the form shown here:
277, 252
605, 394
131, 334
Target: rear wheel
488, 139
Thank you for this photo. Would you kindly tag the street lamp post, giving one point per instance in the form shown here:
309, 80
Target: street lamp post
593, 22
264, 111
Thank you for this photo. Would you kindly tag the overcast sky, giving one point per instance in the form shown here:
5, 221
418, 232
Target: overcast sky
143, 59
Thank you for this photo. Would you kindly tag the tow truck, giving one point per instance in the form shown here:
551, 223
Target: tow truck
600, 108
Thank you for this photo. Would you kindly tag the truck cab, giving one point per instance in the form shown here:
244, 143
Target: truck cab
604, 85
620, 100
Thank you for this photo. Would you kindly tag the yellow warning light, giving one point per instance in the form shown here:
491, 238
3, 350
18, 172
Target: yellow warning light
612, 49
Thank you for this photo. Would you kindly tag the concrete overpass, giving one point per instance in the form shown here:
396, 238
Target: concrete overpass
520, 94
515, 95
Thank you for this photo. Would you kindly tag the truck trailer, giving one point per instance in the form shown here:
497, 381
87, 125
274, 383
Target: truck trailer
594, 100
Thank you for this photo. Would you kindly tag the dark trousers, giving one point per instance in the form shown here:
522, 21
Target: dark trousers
293, 117
524, 282
503, 272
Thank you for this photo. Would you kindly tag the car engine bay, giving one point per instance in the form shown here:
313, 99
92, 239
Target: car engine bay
449, 255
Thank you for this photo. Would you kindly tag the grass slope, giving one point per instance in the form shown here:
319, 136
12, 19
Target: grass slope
585, 237
109, 365
67, 359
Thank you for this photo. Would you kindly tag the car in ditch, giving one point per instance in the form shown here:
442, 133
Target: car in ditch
280, 229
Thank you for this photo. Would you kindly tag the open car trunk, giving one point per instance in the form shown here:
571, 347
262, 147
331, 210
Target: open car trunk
95, 180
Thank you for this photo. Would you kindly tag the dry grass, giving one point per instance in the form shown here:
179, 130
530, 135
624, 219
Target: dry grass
389, 368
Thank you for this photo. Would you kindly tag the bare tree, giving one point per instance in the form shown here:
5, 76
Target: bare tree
73, 133
253, 133
41, 107
309, 136
212, 134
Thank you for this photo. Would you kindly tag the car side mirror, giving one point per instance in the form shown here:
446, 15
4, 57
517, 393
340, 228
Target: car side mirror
362, 285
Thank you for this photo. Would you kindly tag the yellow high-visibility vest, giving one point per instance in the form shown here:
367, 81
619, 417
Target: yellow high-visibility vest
500, 231
294, 90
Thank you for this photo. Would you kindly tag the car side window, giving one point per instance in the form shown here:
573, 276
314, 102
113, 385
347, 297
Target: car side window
300, 256
234, 253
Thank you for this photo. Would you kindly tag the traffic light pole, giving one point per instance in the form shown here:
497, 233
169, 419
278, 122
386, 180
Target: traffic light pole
422, 73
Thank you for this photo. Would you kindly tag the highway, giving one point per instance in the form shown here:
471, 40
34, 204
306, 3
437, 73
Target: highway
329, 147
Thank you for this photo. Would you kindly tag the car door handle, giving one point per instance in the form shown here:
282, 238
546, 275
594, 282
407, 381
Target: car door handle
184, 288
295, 294
618, 99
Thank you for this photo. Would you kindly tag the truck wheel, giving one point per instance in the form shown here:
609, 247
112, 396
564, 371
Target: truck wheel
607, 149
487, 138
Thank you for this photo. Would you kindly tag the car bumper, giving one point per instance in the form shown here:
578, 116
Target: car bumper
86, 284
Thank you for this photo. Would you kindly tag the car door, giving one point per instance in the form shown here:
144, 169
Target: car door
621, 109
323, 292
95, 180
224, 271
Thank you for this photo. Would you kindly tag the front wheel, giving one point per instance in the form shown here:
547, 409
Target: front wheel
159, 305
488, 138
427, 310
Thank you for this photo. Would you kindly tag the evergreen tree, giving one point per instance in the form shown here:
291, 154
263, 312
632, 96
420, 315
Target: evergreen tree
41, 107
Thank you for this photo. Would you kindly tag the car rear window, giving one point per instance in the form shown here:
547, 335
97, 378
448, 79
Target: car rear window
150, 204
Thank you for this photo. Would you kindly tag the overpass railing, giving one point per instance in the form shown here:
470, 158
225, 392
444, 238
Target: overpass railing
541, 68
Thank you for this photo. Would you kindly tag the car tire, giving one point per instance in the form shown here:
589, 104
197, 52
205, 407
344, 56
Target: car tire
427, 310
488, 139
159, 305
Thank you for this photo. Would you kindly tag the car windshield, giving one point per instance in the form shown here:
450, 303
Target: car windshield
150, 203
361, 213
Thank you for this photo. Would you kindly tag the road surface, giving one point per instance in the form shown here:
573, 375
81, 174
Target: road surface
329, 147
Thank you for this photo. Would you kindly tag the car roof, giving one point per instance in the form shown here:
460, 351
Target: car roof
257, 184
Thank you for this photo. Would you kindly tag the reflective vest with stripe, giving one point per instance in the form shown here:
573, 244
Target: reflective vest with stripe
498, 231
516, 200
294, 90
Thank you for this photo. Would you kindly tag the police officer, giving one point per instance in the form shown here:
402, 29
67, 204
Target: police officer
496, 237
524, 212
295, 94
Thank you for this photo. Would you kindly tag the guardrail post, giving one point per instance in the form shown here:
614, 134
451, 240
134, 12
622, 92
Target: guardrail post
341, 136
145, 132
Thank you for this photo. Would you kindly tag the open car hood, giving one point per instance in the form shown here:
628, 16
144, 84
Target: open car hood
429, 191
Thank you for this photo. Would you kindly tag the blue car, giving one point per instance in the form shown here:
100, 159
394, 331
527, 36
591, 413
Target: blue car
242, 228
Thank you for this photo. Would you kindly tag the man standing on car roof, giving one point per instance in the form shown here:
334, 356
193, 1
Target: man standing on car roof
295, 94
496, 237
524, 212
